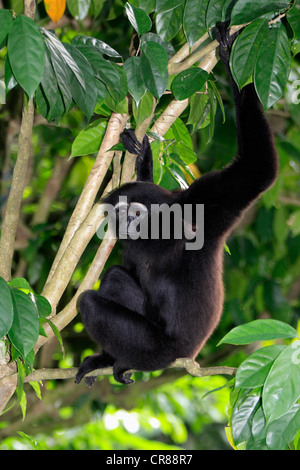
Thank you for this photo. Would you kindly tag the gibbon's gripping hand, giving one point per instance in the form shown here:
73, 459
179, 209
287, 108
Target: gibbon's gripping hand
144, 163
226, 41
131, 143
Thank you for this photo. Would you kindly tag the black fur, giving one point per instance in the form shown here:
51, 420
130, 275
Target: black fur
165, 301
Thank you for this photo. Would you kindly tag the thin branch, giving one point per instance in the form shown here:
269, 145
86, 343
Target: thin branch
192, 368
91, 188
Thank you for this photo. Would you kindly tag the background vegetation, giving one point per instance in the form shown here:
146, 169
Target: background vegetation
154, 65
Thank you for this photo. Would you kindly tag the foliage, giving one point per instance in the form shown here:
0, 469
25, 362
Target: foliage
264, 411
79, 77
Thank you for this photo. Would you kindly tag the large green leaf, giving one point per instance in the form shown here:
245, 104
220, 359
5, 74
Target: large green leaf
282, 386
245, 50
138, 18
60, 50
6, 308
85, 100
194, 20
53, 107
242, 416
273, 66
187, 82
89, 139
6, 20
283, 430
245, 11
155, 82
253, 371
26, 52
62, 74
259, 330
156, 55
168, 23
24, 331
136, 86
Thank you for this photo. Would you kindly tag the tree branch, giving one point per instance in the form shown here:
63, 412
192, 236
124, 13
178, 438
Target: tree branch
91, 188
13, 206
192, 368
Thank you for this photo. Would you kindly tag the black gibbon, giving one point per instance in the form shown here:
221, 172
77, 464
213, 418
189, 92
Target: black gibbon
165, 301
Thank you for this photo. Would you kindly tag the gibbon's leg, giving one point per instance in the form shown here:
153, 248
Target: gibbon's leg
90, 363
144, 162
125, 335
119, 287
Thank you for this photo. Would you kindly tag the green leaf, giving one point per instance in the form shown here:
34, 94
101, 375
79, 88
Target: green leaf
253, 371
245, 50
10, 81
89, 139
26, 52
24, 331
136, 87
43, 306
105, 71
194, 24
293, 17
6, 308
186, 83
155, 38
20, 387
155, 82
199, 115
282, 386
79, 8
245, 11
85, 99
157, 161
178, 175
156, 55
89, 41
169, 22
144, 108
6, 20
214, 12
284, 429
58, 49
259, 330
138, 19
50, 92
20, 283
167, 5
62, 74
273, 66
242, 416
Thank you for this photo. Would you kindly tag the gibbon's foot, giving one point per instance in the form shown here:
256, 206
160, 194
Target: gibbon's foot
226, 41
125, 379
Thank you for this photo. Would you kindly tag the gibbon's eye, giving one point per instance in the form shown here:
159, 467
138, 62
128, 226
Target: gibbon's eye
121, 208
137, 213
